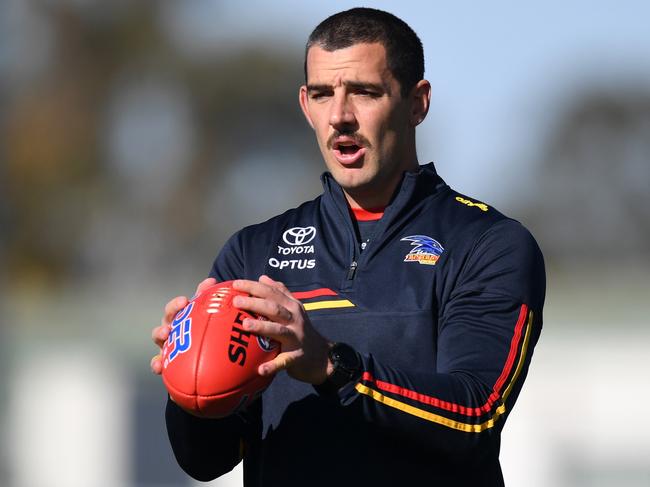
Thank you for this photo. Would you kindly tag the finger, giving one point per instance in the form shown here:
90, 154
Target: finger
261, 290
156, 364
264, 279
283, 361
268, 308
173, 307
160, 334
276, 331
205, 283
251, 287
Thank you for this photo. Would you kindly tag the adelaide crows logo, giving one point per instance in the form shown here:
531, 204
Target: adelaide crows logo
425, 250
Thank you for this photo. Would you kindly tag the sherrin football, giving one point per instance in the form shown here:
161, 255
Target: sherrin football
209, 361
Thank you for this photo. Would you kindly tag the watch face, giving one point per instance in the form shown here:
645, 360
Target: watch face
343, 356
347, 367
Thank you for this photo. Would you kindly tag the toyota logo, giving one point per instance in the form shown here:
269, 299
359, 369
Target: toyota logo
299, 235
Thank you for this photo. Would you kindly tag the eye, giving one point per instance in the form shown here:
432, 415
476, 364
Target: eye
319, 95
367, 93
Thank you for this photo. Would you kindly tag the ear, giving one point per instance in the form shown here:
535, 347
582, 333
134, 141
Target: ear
421, 98
303, 99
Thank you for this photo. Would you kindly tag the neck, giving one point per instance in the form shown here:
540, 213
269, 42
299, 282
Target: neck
371, 201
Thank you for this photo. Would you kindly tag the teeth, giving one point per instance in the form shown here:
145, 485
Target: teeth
339, 145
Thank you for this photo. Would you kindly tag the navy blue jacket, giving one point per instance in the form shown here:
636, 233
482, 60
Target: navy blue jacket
444, 306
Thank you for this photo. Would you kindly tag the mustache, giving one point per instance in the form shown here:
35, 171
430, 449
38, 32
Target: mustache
356, 137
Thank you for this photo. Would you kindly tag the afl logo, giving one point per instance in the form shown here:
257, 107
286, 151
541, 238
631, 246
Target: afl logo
266, 343
299, 235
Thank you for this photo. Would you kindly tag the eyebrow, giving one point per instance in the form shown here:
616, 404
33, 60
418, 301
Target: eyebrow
355, 85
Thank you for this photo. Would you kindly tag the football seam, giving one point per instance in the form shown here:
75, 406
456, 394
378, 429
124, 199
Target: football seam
196, 364
200, 354
229, 391
194, 395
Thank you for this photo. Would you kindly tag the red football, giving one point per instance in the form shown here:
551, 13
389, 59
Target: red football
209, 361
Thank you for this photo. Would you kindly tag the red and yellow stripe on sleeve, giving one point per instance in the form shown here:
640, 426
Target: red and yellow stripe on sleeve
390, 394
322, 298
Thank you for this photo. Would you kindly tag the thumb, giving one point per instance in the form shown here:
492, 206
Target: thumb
282, 362
205, 283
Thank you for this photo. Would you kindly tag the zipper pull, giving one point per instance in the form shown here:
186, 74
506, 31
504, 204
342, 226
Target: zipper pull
352, 270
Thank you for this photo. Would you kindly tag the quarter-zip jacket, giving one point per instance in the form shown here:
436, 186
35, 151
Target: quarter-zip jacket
444, 306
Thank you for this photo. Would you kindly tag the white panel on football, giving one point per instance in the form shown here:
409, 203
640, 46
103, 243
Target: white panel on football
68, 421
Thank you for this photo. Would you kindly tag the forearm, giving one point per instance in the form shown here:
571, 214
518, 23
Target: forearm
460, 405
424, 409
204, 448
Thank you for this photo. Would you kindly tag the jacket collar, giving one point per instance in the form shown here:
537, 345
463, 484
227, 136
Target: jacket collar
413, 187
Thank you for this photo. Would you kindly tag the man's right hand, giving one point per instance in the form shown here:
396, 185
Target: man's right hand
160, 333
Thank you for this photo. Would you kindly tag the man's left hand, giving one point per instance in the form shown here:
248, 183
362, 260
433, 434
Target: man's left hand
304, 350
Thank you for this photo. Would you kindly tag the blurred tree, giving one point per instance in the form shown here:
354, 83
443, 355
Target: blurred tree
593, 195
72, 216
53, 133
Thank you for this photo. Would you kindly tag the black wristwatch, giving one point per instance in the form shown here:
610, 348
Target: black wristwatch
347, 368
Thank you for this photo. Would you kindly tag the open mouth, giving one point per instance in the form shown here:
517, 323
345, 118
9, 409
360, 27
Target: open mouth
348, 149
347, 152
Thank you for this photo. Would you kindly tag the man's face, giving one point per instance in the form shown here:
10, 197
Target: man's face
364, 128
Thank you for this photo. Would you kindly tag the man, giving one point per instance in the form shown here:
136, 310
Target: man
408, 318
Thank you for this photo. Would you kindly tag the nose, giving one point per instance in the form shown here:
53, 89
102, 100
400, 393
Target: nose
342, 113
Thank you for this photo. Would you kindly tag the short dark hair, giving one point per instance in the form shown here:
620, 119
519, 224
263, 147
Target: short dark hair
404, 53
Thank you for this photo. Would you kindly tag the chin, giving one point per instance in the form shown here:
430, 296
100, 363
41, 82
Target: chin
352, 178
358, 189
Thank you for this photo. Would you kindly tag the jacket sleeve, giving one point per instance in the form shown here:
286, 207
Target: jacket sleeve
208, 448
487, 329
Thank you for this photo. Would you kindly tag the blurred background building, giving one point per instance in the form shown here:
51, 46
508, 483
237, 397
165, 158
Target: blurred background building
136, 136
